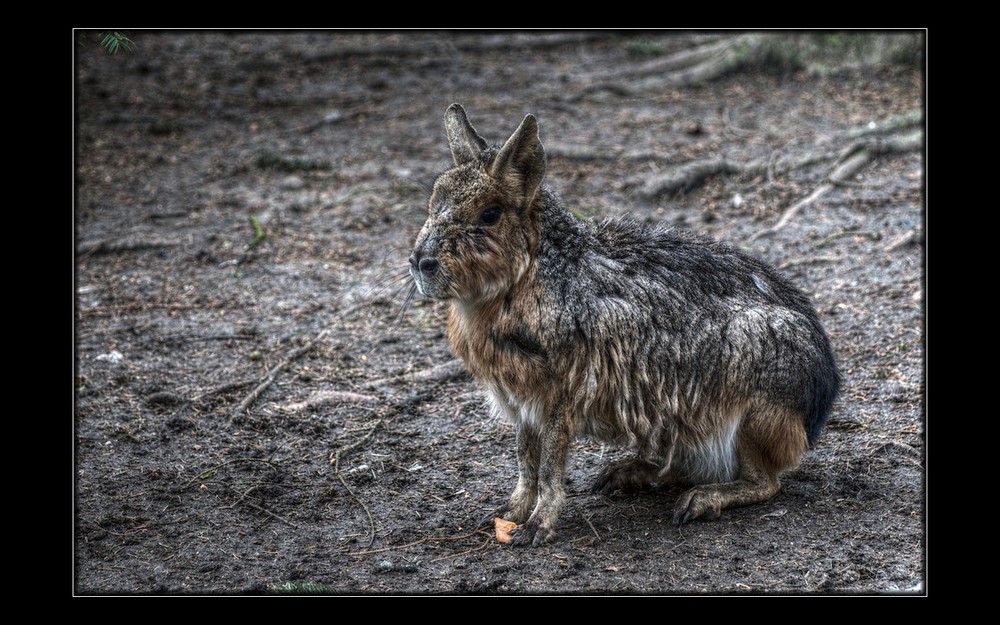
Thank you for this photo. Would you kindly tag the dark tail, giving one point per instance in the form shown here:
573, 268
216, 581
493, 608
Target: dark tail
820, 397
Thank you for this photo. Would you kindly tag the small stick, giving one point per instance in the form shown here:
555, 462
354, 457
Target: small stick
243, 496
176, 338
482, 547
771, 160
371, 521
101, 311
225, 388
594, 529
874, 236
369, 552
227, 462
808, 260
88, 248
335, 456
906, 239
272, 375
271, 514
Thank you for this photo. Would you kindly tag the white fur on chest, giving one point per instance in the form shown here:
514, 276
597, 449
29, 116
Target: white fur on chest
518, 410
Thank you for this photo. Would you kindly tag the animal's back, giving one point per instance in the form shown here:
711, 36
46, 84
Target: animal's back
680, 333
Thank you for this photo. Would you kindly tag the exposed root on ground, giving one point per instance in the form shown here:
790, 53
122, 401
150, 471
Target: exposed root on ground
849, 164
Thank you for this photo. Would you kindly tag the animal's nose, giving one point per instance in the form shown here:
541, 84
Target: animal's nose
426, 264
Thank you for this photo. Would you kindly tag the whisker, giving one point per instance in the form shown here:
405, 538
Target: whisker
410, 293
388, 288
383, 284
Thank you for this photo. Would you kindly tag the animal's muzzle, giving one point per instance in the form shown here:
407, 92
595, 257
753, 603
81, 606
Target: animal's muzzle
424, 266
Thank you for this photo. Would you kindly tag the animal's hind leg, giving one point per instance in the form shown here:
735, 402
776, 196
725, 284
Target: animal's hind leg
630, 473
768, 444
708, 500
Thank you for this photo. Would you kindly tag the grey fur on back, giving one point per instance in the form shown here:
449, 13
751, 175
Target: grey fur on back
696, 316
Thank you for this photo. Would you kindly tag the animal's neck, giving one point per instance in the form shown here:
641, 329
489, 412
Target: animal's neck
475, 327
471, 314
469, 331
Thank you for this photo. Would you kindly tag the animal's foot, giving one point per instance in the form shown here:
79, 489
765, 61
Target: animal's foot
701, 502
534, 533
628, 474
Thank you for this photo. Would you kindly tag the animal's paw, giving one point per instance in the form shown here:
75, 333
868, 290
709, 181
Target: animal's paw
628, 474
698, 503
531, 533
505, 512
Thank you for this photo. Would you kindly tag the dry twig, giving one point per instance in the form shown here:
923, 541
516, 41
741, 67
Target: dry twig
335, 456
371, 521
272, 375
429, 539
592, 528
907, 238
874, 236
270, 514
808, 260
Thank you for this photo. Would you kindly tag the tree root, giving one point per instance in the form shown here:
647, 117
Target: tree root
701, 63
478, 43
691, 175
102, 246
438, 373
892, 124
851, 162
326, 398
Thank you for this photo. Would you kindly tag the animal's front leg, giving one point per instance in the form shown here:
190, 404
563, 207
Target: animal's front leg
522, 500
540, 527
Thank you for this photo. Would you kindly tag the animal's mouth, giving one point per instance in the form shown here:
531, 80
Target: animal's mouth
427, 286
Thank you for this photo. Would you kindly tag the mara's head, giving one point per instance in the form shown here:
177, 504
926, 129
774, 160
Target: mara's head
483, 216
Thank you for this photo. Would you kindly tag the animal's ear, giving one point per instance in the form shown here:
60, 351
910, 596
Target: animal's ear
522, 159
466, 144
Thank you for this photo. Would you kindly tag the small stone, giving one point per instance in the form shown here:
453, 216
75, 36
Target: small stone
292, 183
114, 356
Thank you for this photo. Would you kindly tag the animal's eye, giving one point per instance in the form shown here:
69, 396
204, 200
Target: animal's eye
490, 216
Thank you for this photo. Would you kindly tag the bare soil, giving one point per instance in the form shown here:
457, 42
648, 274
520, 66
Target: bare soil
244, 208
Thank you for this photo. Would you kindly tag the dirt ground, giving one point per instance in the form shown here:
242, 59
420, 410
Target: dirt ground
256, 412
